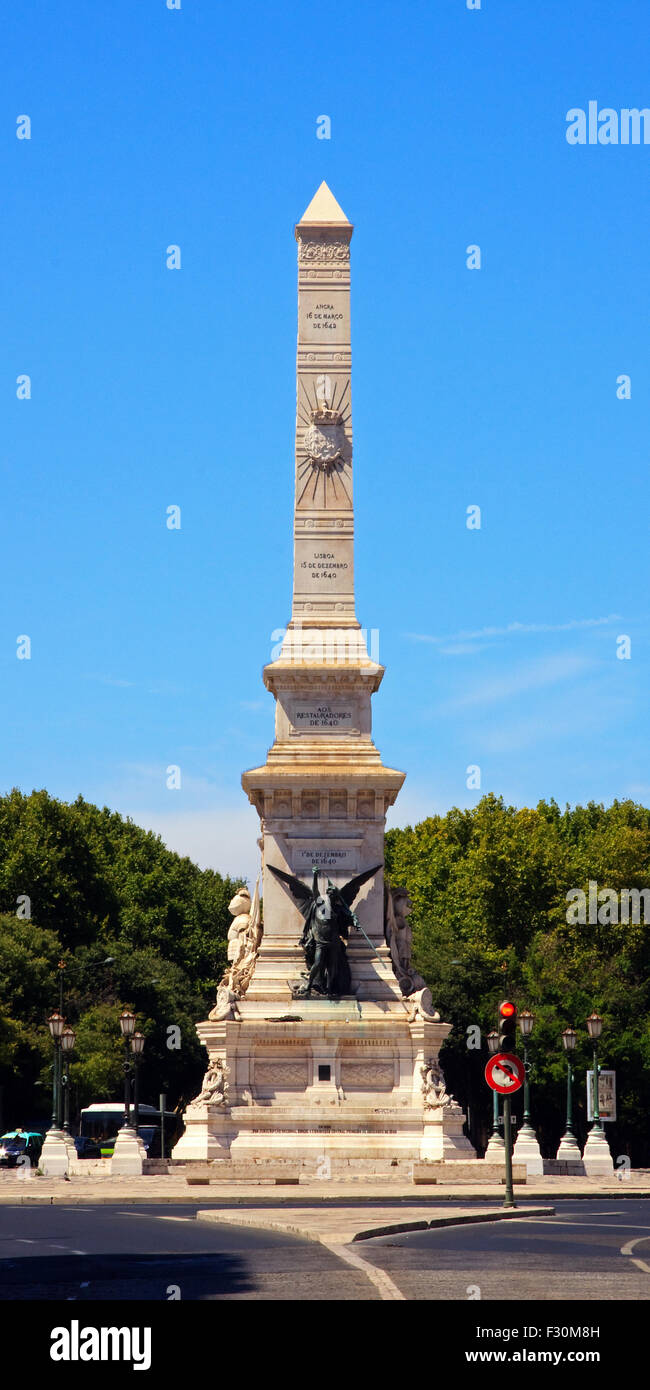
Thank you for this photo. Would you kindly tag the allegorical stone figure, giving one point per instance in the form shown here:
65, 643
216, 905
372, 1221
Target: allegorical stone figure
244, 938
328, 918
434, 1087
399, 939
215, 1085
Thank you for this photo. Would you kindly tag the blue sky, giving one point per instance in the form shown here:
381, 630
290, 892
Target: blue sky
150, 387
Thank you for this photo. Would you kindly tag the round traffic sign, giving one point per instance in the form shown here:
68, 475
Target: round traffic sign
505, 1073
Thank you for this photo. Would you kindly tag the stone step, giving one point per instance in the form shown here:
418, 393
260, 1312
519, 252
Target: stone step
474, 1171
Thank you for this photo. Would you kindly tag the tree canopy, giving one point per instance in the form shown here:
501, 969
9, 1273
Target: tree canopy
99, 888
489, 889
138, 926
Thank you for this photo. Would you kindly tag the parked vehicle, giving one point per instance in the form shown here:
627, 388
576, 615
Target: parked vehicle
86, 1147
101, 1122
18, 1145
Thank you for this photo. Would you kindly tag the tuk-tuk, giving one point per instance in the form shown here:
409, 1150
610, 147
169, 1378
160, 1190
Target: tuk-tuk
19, 1145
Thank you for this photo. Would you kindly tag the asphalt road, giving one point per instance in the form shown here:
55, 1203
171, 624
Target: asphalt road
91, 1253
576, 1254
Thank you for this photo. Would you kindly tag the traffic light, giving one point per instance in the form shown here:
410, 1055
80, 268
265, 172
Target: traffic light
507, 1026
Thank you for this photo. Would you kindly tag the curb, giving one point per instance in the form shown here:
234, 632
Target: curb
462, 1219
335, 1237
262, 1197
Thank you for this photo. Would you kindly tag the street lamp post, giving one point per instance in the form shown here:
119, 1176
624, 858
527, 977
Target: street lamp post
527, 1148
526, 1021
597, 1157
56, 1025
68, 1039
595, 1028
496, 1140
127, 1028
129, 1151
137, 1048
54, 1161
568, 1150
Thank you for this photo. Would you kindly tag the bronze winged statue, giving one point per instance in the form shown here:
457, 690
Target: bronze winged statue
328, 918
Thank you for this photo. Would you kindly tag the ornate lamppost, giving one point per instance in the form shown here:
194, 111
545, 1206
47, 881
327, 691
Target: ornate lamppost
595, 1028
137, 1048
526, 1149
129, 1150
68, 1039
54, 1154
526, 1021
496, 1142
56, 1025
597, 1157
568, 1150
127, 1028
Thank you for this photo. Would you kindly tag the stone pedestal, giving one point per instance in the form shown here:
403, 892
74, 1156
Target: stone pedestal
128, 1155
54, 1161
495, 1152
597, 1157
569, 1150
208, 1135
325, 1083
526, 1150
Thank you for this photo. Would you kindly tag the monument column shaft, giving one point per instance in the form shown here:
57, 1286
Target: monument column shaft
323, 586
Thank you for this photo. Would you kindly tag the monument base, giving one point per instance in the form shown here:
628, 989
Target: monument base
330, 1085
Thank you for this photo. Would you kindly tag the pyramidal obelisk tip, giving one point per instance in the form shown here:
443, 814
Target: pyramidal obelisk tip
324, 211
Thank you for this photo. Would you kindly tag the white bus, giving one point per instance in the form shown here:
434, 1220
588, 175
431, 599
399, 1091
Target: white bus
101, 1121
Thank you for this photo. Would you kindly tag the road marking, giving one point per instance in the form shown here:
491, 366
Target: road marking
627, 1250
387, 1289
154, 1217
560, 1221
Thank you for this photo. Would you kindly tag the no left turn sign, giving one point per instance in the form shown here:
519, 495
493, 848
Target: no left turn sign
505, 1073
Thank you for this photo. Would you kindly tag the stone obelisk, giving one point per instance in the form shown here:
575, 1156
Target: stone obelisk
352, 1080
323, 793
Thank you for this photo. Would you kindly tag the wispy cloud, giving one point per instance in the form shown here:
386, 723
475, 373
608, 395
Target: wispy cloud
162, 687
108, 680
534, 676
457, 642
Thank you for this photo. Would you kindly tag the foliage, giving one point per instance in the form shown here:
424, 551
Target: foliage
99, 886
489, 890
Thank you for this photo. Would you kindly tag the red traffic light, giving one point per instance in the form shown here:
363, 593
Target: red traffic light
507, 1010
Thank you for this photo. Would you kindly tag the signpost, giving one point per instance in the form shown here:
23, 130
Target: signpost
162, 1103
505, 1073
606, 1095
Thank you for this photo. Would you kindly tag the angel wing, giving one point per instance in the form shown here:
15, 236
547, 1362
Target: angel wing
350, 890
299, 892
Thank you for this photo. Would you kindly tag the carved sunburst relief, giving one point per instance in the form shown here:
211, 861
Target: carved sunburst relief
324, 454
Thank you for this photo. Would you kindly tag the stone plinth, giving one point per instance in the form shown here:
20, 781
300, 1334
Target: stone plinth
568, 1150
526, 1150
495, 1152
597, 1157
337, 1080
128, 1155
54, 1161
